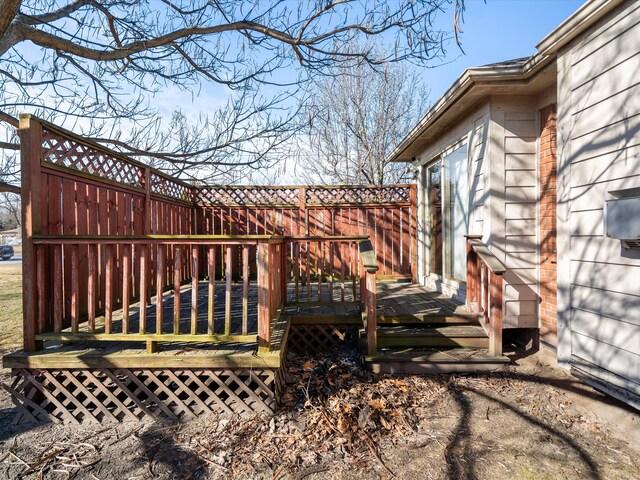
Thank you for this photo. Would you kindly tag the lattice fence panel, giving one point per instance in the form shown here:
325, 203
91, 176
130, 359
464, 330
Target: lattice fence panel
320, 338
116, 395
358, 195
66, 152
291, 196
263, 196
164, 185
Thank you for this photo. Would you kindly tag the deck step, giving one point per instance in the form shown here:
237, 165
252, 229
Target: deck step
438, 336
433, 361
429, 319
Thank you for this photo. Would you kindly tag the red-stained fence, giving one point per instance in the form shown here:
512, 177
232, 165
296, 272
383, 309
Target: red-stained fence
386, 214
102, 231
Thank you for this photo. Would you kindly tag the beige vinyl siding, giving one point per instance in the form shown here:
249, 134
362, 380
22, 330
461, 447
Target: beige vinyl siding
599, 152
514, 198
477, 190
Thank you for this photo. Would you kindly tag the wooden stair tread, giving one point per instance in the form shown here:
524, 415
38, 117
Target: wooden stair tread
425, 355
428, 319
449, 331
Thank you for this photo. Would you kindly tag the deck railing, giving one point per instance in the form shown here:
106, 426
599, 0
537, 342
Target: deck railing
330, 262
121, 270
123, 295
484, 289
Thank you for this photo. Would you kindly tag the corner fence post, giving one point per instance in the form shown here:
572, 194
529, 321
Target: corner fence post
30, 132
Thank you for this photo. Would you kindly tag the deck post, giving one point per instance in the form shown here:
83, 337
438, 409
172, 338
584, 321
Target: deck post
264, 313
30, 131
371, 313
473, 275
495, 333
471, 278
413, 237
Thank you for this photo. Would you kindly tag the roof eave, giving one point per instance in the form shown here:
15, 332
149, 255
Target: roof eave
470, 78
585, 17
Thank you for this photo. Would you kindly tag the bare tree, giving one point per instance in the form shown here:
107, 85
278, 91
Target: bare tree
357, 117
100, 66
10, 212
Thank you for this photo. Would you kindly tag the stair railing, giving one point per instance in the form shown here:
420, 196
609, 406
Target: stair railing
484, 289
368, 294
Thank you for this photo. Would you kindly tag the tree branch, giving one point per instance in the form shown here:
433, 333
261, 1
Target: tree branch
7, 187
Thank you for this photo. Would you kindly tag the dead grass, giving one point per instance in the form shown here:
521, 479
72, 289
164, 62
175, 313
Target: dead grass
10, 307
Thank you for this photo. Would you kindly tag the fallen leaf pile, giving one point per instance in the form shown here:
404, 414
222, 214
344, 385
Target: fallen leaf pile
334, 418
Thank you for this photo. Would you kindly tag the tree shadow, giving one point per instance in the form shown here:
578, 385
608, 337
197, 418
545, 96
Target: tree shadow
460, 457
160, 448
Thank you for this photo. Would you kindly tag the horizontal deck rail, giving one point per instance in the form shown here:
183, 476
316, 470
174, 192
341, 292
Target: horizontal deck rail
484, 289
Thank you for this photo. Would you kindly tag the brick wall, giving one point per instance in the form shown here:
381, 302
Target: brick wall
548, 257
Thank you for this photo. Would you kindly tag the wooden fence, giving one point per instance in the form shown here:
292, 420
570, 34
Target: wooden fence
387, 215
102, 231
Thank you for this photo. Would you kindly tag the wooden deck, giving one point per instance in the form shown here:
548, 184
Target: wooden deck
405, 302
399, 305
61, 353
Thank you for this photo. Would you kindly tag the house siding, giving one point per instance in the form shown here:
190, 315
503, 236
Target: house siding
502, 136
514, 195
599, 152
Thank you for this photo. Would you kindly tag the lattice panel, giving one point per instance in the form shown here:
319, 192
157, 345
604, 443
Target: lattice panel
320, 338
115, 395
290, 196
358, 195
249, 196
71, 154
165, 186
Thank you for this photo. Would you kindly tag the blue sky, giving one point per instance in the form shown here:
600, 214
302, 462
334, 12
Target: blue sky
498, 30
494, 31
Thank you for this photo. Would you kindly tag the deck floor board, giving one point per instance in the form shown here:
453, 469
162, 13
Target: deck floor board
393, 299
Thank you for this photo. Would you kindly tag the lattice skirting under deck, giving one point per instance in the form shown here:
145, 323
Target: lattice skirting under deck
104, 395
306, 338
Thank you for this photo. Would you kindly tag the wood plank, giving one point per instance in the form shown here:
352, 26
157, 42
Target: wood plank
194, 289
146, 337
264, 315
245, 289
91, 287
57, 289
126, 286
211, 290
228, 278
144, 288
176, 289
109, 285
160, 279
41, 286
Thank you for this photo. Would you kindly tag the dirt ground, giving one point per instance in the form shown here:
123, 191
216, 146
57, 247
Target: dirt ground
527, 421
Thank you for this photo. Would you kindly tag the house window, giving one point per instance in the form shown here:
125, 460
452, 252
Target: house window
456, 213
434, 178
447, 215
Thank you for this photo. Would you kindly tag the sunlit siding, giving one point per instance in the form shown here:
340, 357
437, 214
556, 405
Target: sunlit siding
599, 152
